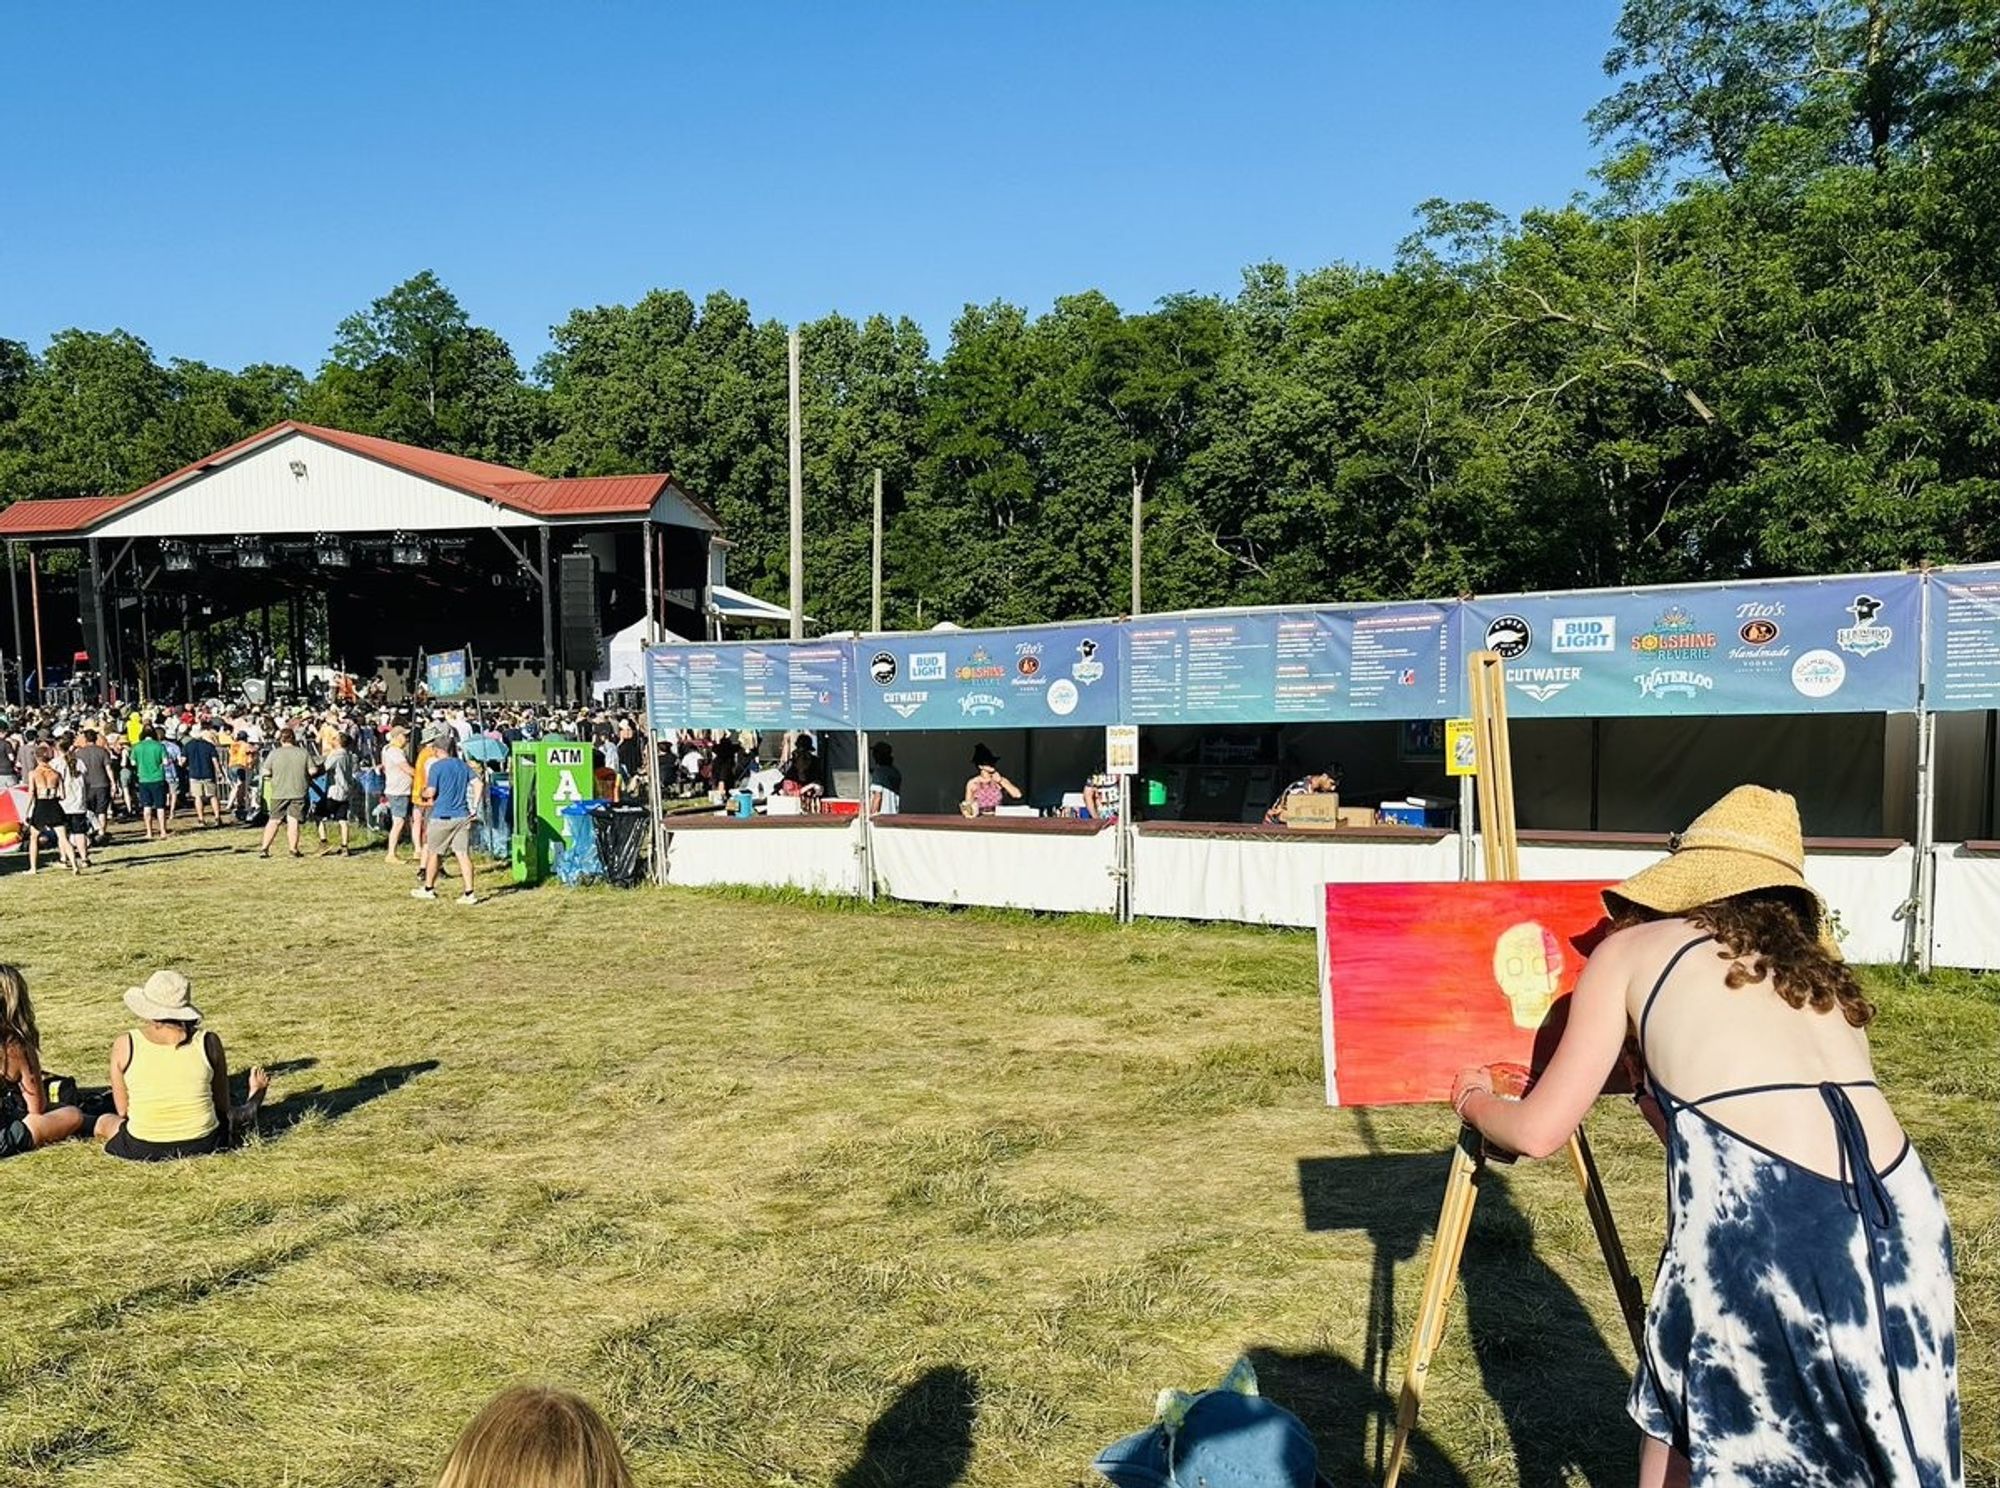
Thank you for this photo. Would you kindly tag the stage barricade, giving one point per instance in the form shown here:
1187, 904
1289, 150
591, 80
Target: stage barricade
999, 862
1273, 875
820, 854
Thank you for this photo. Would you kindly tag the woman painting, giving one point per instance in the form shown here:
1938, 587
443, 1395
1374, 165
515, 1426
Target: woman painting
983, 792
1801, 1327
170, 1081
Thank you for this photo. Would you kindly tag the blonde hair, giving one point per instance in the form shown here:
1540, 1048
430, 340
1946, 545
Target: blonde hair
536, 1436
17, 1013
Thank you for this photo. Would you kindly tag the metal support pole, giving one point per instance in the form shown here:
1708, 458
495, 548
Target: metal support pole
646, 577
875, 608
655, 801
1138, 507
20, 652
35, 603
865, 848
187, 655
1468, 846
97, 609
1923, 876
798, 493
548, 629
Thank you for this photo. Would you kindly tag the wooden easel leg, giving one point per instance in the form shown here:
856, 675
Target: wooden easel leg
1461, 1191
1623, 1283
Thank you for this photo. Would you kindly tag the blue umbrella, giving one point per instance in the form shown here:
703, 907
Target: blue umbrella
486, 751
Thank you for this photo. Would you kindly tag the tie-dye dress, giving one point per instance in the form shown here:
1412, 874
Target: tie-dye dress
1801, 1327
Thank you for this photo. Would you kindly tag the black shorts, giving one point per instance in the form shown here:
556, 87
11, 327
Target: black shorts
15, 1138
48, 813
79, 825
152, 795
132, 1149
97, 799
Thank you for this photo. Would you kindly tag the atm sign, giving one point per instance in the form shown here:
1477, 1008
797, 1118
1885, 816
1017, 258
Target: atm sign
565, 754
1584, 633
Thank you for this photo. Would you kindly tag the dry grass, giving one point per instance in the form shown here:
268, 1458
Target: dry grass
802, 1194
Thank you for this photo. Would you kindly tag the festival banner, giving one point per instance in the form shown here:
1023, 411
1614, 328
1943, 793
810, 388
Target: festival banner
1049, 676
753, 685
1964, 641
1419, 980
447, 674
1849, 645
1280, 666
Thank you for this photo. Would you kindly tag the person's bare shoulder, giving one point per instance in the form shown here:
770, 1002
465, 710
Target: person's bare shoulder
1651, 942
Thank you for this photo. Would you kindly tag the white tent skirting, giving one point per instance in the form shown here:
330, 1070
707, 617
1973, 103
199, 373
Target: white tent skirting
1265, 881
820, 860
1075, 872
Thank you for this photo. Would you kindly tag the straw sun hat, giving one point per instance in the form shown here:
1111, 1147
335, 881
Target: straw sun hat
167, 997
1747, 841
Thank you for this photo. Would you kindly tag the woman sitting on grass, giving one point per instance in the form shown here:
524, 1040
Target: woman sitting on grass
27, 1121
532, 1436
170, 1081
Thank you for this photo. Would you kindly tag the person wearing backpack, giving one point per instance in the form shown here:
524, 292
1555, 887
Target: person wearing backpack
336, 773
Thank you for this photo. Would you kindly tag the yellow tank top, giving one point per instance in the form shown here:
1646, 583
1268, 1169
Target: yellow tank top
169, 1093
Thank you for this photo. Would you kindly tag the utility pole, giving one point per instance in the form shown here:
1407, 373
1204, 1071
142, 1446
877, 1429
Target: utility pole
1138, 500
798, 499
875, 609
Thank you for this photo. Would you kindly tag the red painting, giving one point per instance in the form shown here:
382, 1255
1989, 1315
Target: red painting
1419, 980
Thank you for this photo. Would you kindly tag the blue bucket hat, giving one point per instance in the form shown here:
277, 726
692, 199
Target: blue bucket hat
1228, 1437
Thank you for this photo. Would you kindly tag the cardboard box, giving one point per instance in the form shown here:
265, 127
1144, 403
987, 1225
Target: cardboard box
1320, 812
1357, 816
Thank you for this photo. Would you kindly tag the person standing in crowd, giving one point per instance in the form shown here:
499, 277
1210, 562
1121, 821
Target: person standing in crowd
448, 819
45, 812
202, 759
419, 790
172, 764
727, 761
398, 780
1802, 1325
76, 820
631, 755
983, 792
885, 780
95, 762
288, 769
11, 742
336, 771
126, 770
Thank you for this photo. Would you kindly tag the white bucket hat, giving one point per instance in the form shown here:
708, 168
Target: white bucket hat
167, 997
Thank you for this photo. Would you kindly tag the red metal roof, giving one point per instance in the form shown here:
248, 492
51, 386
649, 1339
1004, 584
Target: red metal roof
57, 516
592, 493
518, 490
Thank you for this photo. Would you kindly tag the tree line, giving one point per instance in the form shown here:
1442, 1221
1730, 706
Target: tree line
1764, 340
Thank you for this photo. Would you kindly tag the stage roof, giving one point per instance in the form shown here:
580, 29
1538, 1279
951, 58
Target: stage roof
297, 477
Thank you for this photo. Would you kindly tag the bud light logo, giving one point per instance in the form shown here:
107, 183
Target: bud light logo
1584, 633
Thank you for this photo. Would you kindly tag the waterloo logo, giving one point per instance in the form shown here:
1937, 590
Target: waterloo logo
1673, 634
1663, 682
980, 667
1864, 637
981, 704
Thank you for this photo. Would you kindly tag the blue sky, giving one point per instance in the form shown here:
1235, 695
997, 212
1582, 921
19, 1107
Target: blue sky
227, 181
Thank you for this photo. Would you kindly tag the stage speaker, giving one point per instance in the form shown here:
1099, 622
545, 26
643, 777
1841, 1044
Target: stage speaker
86, 603
576, 617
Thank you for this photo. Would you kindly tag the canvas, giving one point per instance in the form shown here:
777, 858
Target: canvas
1419, 980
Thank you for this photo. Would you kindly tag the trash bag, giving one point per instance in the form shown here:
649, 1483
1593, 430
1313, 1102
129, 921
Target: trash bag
621, 843
578, 862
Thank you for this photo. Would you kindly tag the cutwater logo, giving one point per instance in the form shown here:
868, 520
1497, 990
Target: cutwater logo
1584, 633
906, 703
1673, 682
1864, 637
1542, 683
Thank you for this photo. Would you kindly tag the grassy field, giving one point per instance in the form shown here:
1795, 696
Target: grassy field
801, 1194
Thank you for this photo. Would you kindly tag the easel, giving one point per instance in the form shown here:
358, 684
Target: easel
1469, 1154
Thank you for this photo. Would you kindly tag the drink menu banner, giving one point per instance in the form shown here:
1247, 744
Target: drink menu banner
782, 685
1290, 665
1052, 676
1810, 646
1964, 641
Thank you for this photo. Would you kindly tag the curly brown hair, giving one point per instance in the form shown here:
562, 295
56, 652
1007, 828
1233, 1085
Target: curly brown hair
1773, 935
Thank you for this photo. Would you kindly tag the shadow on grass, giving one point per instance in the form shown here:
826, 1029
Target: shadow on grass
1337, 1403
1542, 1358
282, 1115
924, 1438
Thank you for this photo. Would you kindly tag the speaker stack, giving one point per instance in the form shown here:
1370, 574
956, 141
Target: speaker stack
580, 641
